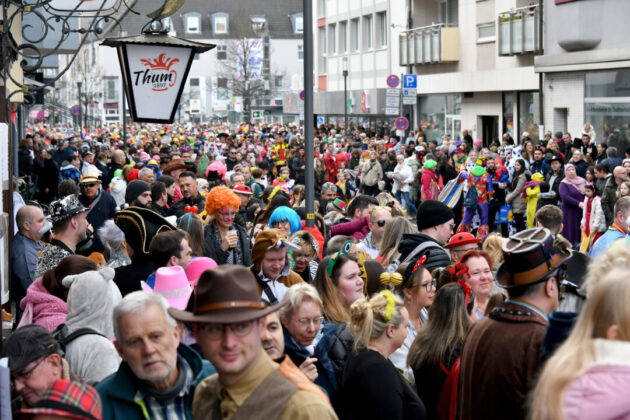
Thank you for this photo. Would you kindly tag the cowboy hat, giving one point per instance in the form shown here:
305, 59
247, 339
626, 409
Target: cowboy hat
225, 295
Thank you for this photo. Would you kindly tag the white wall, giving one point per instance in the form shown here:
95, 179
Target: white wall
565, 90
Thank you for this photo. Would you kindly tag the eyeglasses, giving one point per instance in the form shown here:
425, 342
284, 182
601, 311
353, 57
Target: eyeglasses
90, 185
430, 285
24, 375
381, 222
216, 331
305, 322
225, 215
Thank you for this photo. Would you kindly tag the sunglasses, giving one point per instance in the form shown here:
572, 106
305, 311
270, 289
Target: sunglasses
90, 185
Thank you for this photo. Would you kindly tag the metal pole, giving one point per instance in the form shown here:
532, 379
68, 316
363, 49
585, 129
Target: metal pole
80, 109
308, 111
124, 118
345, 103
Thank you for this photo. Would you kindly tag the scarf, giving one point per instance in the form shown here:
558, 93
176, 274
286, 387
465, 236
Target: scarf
235, 255
578, 182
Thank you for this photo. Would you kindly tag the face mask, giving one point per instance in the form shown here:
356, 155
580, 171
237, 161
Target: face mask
47, 226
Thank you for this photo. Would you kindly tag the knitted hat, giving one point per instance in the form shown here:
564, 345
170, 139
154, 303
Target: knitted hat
433, 213
134, 189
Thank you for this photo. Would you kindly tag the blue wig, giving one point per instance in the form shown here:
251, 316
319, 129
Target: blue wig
286, 213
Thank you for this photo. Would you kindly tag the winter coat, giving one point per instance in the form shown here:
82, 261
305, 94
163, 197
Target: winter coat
47, 178
402, 178
371, 173
69, 171
118, 390
551, 184
598, 219
92, 297
500, 362
25, 162
104, 210
117, 189
437, 256
179, 208
600, 393
331, 352
42, 308
514, 197
430, 189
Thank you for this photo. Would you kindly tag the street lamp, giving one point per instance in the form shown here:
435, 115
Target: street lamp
155, 67
344, 72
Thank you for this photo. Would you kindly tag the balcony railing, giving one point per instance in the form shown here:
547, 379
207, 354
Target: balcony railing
437, 43
519, 31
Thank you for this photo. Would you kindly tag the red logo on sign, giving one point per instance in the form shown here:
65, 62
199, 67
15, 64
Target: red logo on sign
159, 73
364, 102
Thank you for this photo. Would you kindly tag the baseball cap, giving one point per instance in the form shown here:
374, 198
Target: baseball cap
28, 344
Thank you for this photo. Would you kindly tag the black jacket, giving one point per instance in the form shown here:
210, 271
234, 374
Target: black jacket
128, 277
47, 177
25, 162
104, 210
179, 208
214, 251
437, 256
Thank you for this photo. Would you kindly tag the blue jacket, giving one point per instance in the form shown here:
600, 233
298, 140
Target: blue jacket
605, 241
118, 390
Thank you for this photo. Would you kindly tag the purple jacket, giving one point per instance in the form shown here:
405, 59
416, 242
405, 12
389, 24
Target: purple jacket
357, 228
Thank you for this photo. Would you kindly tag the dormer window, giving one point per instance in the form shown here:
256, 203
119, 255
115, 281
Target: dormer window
259, 23
297, 21
220, 23
192, 23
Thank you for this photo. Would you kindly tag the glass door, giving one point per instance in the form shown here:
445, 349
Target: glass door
453, 127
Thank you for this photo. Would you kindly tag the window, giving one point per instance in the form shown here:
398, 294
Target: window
222, 88
192, 23
354, 34
607, 105
332, 39
298, 23
111, 90
196, 57
529, 113
300, 52
194, 82
343, 36
321, 8
220, 22
221, 52
321, 54
259, 23
381, 29
486, 32
279, 82
367, 32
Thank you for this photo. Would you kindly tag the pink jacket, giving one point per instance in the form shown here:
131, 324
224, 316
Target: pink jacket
602, 392
357, 228
42, 308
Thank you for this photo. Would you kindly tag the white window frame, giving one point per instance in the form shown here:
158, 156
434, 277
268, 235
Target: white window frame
221, 49
217, 19
188, 18
486, 38
381, 30
367, 32
343, 37
332, 39
297, 20
355, 35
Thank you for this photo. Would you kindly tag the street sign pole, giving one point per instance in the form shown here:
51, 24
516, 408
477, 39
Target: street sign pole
307, 9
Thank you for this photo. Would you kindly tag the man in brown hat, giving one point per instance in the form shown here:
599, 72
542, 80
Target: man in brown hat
501, 353
228, 319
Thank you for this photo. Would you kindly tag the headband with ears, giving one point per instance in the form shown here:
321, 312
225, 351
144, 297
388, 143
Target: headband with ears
347, 246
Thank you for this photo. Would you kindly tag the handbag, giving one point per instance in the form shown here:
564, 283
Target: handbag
505, 214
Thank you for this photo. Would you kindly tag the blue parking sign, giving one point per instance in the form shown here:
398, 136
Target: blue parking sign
410, 81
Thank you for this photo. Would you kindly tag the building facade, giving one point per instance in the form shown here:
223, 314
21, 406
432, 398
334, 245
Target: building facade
586, 68
474, 60
267, 35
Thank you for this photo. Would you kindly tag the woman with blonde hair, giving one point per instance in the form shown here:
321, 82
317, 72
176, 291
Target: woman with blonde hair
492, 245
339, 284
589, 374
393, 233
372, 387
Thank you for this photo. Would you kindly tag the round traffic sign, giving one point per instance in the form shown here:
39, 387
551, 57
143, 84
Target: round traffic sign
302, 95
401, 123
76, 110
393, 81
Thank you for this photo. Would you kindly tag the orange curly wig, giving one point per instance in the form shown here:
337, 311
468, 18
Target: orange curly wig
219, 197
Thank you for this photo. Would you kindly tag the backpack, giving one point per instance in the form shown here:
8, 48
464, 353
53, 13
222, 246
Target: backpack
64, 338
470, 201
447, 402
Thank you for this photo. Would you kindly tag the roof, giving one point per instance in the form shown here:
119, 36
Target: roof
161, 39
277, 13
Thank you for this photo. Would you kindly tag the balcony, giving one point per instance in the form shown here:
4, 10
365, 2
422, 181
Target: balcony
520, 31
437, 43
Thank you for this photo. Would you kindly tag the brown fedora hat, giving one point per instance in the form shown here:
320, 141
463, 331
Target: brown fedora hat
224, 295
177, 163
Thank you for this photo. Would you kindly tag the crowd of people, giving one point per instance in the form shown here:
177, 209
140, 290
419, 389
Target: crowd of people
173, 272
